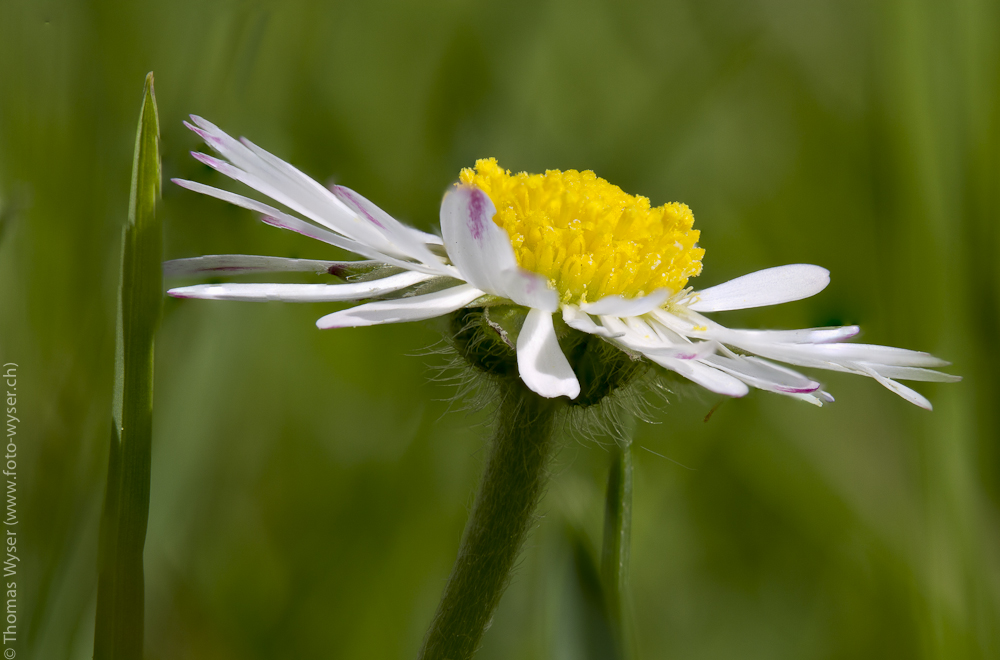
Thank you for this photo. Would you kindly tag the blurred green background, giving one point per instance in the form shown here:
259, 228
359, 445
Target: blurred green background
309, 488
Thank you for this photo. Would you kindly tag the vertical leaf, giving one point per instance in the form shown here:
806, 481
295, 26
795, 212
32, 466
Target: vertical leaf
119, 626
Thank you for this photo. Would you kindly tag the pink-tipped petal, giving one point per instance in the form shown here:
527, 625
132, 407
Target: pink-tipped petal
407, 239
280, 219
241, 264
268, 174
300, 292
482, 252
708, 377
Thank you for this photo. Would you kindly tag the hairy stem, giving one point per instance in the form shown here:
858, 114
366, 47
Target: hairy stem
512, 483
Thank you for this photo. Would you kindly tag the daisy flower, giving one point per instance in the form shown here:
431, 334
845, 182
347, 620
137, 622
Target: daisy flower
560, 243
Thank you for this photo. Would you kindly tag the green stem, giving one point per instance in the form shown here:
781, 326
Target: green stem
512, 483
118, 632
617, 539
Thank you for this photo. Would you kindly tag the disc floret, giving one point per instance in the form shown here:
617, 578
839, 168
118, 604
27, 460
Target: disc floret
587, 236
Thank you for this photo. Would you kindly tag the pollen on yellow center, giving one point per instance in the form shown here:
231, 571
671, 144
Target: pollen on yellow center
587, 236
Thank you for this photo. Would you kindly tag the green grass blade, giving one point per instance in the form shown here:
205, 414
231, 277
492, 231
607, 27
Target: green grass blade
119, 626
617, 539
594, 630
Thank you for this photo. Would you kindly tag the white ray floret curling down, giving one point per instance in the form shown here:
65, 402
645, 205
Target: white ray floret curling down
474, 262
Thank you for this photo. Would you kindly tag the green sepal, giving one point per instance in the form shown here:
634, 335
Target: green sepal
487, 338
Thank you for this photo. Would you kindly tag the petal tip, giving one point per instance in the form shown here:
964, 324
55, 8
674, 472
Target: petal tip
554, 390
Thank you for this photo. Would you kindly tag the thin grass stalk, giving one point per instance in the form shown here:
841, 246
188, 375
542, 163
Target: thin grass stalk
617, 540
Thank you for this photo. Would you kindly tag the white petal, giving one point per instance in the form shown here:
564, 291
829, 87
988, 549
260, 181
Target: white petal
578, 320
241, 264
694, 351
816, 347
633, 333
300, 292
409, 241
700, 327
818, 398
482, 252
637, 335
479, 248
529, 289
787, 353
250, 170
283, 183
282, 220
888, 355
803, 336
709, 378
291, 223
771, 286
820, 356
913, 373
620, 306
910, 395
655, 341
415, 308
540, 360
764, 375
269, 211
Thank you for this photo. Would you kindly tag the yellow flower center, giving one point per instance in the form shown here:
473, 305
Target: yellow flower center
587, 236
